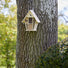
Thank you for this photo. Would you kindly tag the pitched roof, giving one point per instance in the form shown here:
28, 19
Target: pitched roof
34, 15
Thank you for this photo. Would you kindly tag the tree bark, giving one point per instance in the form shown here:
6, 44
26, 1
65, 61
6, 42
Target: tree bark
31, 44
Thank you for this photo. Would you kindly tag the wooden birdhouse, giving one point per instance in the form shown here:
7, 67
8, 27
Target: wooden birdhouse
31, 21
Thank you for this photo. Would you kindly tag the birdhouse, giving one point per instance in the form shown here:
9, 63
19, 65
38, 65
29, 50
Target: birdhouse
31, 21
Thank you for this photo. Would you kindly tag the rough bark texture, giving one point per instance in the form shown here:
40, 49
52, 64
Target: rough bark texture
30, 45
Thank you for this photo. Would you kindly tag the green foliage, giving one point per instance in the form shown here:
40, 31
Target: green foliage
7, 43
62, 32
4, 3
52, 58
7, 37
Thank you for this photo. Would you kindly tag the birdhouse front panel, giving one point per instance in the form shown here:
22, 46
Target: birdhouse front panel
31, 21
30, 26
26, 20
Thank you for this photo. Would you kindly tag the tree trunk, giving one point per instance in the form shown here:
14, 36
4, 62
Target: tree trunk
31, 44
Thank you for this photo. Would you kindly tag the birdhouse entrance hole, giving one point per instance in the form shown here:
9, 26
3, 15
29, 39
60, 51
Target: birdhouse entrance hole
30, 20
